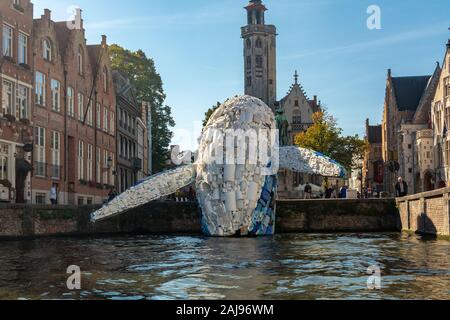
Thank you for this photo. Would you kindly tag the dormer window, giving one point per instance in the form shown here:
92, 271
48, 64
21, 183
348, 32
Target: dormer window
80, 60
47, 50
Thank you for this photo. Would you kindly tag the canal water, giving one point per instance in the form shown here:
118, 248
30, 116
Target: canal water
312, 266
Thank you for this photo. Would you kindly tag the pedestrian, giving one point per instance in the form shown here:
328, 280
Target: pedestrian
112, 194
401, 188
329, 193
54, 194
308, 191
343, 193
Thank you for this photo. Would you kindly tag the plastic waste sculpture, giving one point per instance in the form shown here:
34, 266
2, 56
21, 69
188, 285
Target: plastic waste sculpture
235, 173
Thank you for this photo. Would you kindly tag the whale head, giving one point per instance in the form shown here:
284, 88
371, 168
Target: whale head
238, 151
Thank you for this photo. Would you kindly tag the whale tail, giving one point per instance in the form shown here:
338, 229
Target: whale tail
310, 162
150, 189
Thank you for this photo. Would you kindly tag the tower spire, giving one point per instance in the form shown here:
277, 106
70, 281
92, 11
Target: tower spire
296, 77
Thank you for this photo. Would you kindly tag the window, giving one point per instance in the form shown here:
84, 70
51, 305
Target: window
4, 161
80, 107
7, 41
90, 162
249, 81
40, 166
111, 178
40, 88
99, 116
112, 122
22, 100
23, 48
89, 114
296, 104
105, 79
98, 160
56, 154
47, 50
80, 61
105, 119
259, 61
121, 146
56, 94
259, 43
70, 102
447, 87
249, 43
41, 198
8, 97
80, 160
249, 62
105, 168
447, 153
438, 119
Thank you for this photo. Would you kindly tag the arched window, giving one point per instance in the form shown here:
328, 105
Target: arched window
47, 49
259, 43
80, 60
105, 79
249, 43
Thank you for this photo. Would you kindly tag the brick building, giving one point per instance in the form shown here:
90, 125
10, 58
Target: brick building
16, 83
373, 168
406, 110
74, 114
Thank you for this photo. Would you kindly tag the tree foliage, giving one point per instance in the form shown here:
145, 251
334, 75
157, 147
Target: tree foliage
142, 73
326, 137
210, 112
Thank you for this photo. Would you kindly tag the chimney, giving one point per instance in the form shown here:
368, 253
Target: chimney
389, 73
104, 40
47, 14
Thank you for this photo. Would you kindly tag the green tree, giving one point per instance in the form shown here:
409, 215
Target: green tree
326, 137
210, 112
142, 73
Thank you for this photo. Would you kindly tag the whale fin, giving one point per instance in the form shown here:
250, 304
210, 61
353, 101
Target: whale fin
152, 188
308, 161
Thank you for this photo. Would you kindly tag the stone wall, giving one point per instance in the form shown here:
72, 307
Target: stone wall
18, 221
426, 213
368, 215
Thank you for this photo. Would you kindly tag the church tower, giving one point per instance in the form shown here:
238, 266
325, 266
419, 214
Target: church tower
259, 54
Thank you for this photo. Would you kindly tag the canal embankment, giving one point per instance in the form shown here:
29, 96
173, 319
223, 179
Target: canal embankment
293, 216
426, 213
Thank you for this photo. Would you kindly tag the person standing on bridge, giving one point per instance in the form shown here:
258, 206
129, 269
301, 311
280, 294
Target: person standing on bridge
401, 188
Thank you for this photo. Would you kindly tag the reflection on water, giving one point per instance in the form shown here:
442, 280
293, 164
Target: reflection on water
175, 267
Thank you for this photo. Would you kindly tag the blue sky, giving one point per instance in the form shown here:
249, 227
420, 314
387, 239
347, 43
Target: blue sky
197, 49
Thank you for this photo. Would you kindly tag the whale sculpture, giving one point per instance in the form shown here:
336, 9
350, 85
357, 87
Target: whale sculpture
235, 172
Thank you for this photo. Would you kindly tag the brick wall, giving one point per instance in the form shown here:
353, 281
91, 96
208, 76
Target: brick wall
426, 213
